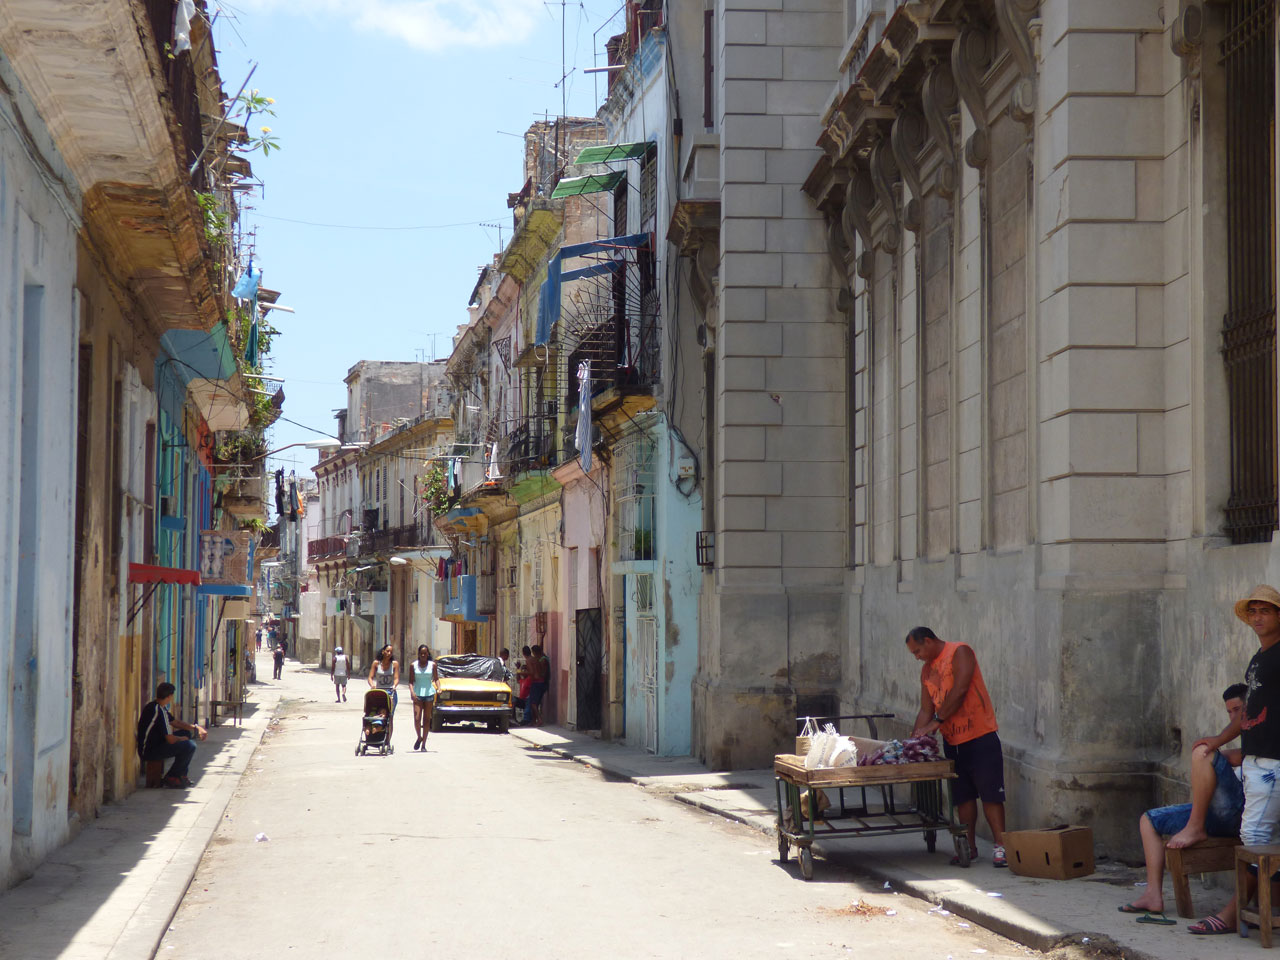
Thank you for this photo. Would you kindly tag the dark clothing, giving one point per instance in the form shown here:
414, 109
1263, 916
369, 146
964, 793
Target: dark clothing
278, 657
1260, 729
979, 769
182, 753
155, 725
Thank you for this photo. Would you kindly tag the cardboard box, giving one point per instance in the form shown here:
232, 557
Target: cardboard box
1054, 853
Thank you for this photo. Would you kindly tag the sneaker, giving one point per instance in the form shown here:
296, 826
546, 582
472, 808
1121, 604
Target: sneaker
173, 783
997, 857
186, 781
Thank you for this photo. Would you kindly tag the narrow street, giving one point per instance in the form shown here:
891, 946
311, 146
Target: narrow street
484, 847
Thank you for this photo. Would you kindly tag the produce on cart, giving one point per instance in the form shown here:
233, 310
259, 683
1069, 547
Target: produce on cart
866, 803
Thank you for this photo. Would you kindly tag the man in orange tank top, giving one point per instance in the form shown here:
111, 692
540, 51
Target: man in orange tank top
954, 700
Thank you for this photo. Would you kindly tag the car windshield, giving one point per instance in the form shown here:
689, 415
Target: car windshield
472, 666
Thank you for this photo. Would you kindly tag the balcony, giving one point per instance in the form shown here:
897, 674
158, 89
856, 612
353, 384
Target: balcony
326, 548
531, 445
486, 593
395, 538
127, 113
460, 601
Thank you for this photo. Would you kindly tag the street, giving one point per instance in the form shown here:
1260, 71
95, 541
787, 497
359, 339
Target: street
483, 847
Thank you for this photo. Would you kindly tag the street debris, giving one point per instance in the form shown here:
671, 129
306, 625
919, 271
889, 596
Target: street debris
261, 838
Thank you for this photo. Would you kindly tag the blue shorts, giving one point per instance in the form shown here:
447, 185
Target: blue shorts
979, 769
1223, 818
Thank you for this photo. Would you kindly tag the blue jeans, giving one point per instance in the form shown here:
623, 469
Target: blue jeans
182, 752
1223, 816
537, 690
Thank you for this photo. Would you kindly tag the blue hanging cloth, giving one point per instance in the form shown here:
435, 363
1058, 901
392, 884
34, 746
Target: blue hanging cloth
246, 287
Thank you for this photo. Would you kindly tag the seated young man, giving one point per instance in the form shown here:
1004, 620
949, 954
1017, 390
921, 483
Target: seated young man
160, 736
1217, 800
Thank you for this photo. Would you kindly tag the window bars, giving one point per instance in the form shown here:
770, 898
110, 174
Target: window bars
1249, 327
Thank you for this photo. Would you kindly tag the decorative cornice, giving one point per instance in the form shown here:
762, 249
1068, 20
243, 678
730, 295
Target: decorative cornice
971, 55
939, 98
907, 138
884, 174
855, 218
1014, 18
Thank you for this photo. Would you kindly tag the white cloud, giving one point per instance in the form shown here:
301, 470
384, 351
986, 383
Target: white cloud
431, 25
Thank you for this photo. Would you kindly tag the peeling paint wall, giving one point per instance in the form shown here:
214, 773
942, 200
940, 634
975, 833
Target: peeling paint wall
38, 336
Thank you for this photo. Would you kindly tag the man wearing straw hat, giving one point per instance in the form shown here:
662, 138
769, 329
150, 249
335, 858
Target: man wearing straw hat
1259, 732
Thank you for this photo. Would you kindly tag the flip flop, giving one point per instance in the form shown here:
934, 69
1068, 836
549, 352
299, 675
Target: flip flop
1130, 908
1157, 918
1209, 927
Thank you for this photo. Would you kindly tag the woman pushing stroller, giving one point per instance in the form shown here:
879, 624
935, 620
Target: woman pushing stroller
422, 680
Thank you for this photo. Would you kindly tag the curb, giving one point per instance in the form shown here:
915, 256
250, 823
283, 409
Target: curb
1041, 939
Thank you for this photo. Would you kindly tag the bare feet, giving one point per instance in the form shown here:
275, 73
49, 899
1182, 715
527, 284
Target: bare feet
1186, 837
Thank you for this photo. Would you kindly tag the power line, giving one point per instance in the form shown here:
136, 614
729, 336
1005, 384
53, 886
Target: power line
358, 226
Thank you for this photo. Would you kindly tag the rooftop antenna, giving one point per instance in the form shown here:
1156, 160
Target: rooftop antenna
498, 227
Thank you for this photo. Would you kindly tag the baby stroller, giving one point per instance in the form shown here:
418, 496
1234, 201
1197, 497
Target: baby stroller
376, 724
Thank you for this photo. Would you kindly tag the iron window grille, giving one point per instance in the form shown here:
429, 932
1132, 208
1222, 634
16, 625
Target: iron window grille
1249, 327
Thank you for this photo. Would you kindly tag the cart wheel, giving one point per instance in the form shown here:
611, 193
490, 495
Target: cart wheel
931, 840
962, 849
783, 846
806, 863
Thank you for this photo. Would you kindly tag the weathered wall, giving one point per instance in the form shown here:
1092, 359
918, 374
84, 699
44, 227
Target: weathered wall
780, 404
38, 334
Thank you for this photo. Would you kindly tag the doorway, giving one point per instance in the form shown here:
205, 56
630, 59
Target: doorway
589, 664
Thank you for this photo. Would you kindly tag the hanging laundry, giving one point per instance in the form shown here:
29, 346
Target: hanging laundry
246, 287
279, 492
494, 472
182, 14
583, 435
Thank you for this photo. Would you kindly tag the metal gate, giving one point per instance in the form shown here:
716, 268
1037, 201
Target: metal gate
1249, 327
589, 666
647, 639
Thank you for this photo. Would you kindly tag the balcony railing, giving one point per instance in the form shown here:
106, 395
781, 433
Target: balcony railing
531, 445
393, 538
181, 76
326, 547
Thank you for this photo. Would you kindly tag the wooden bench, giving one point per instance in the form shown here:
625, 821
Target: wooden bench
231, 707
1207, 856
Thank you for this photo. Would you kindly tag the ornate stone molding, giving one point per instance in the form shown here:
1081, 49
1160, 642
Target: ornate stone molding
855, 218
971, 55
939, 98
884, 174
838, 252
1014, 18
907, 138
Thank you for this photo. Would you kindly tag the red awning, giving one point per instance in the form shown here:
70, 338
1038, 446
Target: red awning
147, 573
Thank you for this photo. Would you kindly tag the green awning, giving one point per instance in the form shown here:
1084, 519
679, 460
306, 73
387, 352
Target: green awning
575, 186
614, 151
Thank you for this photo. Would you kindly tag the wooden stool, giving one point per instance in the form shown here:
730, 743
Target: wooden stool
1266, 858
155, 772
1207, 856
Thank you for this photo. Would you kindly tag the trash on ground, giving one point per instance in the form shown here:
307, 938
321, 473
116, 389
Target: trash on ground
260, 838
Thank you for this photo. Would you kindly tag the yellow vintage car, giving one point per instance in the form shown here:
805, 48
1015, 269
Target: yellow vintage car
472, 688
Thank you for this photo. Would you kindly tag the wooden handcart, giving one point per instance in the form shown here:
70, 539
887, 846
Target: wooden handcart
874, 810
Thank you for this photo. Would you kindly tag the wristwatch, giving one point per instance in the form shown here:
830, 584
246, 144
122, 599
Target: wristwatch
936, 718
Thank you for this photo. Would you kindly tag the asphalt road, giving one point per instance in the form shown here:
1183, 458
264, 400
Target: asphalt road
484, 848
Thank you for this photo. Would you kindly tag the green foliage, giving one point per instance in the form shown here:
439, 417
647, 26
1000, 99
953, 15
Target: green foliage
435, 489
217, 223
256, 524
247, 104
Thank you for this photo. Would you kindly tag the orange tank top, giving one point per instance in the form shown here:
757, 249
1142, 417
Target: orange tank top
975, 717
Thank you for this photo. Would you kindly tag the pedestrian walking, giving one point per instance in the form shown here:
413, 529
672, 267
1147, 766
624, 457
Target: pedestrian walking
422, 682
277, 656
385, 674
339, 668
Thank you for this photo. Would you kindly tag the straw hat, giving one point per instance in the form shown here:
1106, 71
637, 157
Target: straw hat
1261, 592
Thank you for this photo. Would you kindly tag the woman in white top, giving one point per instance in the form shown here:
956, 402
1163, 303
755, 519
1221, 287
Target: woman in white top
422, 683
385, 673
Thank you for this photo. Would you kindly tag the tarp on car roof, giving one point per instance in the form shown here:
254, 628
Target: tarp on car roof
472, 666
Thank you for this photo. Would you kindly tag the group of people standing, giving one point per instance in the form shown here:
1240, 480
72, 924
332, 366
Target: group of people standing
533, 678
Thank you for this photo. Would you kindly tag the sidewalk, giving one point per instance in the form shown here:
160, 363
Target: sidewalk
110, 893
1042, 914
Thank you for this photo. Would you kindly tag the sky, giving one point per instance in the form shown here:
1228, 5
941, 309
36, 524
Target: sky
399, 124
